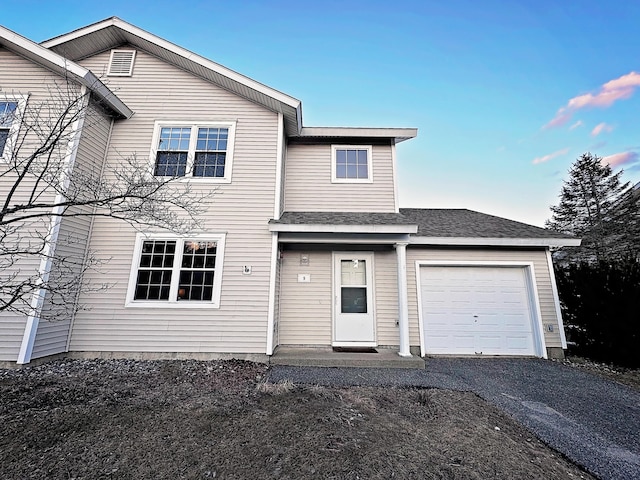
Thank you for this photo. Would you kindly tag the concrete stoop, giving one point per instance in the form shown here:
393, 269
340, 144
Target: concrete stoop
326, 357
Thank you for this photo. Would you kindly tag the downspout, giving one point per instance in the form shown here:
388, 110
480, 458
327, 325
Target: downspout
37, 300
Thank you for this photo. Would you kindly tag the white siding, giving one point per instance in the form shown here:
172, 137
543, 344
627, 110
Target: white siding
20, 76
53, 330
543, 281
240, 209
308, 186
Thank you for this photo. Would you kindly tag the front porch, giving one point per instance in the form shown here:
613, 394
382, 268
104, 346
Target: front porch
327, 357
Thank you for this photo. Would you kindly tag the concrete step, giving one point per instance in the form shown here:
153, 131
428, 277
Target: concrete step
326, 357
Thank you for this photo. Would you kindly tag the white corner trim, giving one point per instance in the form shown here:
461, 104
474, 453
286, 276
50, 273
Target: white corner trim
530, 277
556, 299
272, 293
332, 228
279, 165
496, 241
37, 300
394, 172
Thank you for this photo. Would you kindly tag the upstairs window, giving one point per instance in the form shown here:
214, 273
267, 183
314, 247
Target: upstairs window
121, 63
351, 164
170, 271
194, 150
11, 108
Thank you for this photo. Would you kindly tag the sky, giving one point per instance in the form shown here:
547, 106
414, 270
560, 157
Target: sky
505, 94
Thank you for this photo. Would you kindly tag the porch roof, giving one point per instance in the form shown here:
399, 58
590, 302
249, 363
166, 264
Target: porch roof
343, 222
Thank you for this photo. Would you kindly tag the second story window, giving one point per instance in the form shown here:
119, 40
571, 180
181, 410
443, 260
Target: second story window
193, 150
11, 110
351, 164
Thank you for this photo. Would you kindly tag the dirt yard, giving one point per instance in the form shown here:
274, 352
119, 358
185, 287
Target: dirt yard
79, 419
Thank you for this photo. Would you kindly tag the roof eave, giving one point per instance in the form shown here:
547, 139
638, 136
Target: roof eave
398, 134
62, 66
337, 228
496, 241
285, 100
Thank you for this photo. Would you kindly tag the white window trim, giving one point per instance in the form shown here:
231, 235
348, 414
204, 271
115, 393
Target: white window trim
194, 125
12, 137
127, 74
135, 265
368, 148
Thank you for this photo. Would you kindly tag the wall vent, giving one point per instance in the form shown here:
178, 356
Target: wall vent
121, 63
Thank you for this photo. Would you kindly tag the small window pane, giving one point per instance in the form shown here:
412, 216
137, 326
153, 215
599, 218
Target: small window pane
341, 157
351, 157
341, 171
7, 113
363, 171
354, 300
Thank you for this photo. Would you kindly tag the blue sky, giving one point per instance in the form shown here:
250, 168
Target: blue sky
505, 94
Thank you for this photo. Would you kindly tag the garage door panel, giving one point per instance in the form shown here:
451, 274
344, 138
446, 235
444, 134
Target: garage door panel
476, 310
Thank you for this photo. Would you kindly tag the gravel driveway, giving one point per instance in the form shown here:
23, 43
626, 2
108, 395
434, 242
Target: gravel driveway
593, 421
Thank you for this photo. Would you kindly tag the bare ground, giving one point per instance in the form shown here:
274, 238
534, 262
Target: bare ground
80, 419
626, 376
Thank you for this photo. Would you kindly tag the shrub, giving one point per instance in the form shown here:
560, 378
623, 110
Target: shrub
601, 309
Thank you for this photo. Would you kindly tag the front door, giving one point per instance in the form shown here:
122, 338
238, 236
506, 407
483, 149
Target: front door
354, 320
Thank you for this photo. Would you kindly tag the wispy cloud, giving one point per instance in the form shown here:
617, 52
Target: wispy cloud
612, 91
601, 127
597, 146
546, 158
622, 158
579, 123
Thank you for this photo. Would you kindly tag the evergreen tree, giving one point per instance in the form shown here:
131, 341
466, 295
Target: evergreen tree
589, 207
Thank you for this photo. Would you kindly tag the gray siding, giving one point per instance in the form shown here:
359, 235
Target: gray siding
20, 76
308, 186
241, 209
543, 282
53, 329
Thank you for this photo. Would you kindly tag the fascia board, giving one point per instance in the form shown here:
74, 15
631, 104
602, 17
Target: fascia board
497, 241
53, 61
399, 134
173, 48
277, 227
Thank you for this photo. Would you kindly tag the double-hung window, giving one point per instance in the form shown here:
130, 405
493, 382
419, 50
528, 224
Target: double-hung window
351, 164
200, 150
11, 109
176, 272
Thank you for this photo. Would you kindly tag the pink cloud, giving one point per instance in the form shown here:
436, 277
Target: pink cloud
546, 158
601, 127
576, 125
617, 89
622, 158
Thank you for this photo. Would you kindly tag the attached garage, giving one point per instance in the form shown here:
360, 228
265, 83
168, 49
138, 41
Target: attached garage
479, 309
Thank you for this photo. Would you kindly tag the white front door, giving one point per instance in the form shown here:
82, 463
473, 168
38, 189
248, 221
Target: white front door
354, 320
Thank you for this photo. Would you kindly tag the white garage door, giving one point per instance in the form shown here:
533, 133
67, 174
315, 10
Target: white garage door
476, 311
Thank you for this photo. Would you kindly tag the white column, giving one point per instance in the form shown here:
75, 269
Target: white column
403, 304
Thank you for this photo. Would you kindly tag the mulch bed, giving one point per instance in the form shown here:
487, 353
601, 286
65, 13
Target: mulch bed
99, 419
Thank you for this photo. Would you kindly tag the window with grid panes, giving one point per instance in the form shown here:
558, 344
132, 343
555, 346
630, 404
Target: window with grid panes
176, 270
198, 151
351, 163
7, 117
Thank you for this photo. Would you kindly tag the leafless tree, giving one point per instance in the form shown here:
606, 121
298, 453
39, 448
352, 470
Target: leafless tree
42, 186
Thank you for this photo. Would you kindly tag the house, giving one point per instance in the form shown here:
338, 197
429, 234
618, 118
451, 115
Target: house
304, 244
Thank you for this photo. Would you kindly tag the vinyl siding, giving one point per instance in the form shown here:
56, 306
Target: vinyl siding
542, 279
53, 329
306, 309
241, 210
20, 76
308, 186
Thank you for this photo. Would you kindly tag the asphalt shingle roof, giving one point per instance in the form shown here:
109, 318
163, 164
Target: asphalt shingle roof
431, 222
444, 222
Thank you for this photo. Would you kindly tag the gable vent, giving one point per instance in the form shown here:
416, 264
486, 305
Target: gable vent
121, 63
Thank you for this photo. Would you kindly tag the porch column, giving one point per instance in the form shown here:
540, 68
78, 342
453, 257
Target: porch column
403, 303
